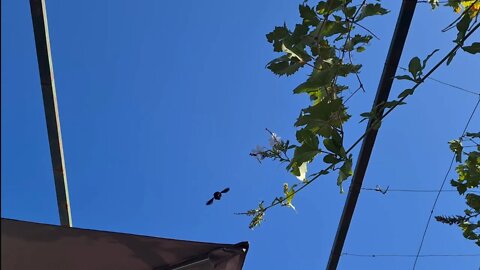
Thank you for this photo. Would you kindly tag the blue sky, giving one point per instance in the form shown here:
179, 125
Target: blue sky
161, 102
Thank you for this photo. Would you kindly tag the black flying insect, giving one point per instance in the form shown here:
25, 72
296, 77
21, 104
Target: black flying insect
217, 195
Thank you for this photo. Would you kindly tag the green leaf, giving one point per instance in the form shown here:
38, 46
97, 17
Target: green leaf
360, 49
460, 188
296, 52
473, 135
308, 15
415, 67
305, 152
284, 66
298, 34
345, 172
450, 57
371, 10
349, 11
473, 201
393, 103
335, 147
322, 117
473, 49
307, 87
404, 77
355, 40
462, 27
405, 93
331, 158
331, 28
325, 8
424, 64
277, 36
456, 147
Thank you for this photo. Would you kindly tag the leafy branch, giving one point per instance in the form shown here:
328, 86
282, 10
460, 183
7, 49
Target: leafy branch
468, 180
322, 44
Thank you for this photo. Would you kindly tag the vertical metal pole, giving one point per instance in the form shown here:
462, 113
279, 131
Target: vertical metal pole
44, 57
384, 86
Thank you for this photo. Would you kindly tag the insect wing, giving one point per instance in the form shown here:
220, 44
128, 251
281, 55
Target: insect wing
210, 201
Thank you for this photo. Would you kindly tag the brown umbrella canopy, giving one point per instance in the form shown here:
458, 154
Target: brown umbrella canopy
27, 245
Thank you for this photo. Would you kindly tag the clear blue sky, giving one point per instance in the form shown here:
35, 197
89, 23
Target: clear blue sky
161, 102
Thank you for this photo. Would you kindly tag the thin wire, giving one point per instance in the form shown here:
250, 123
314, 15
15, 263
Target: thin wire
408, 255
415, 190
440, 2
351, 95
448, 84
441, 188
410, 190
454, 86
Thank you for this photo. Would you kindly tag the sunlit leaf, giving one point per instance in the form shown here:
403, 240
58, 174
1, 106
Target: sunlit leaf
371, 10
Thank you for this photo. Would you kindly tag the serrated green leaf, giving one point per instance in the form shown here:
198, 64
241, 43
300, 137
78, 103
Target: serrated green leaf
349, 11
277, 36
473, 49
323, 117
355, 40
371, 10
305, 152
331, 28
325, 8
335, 147
299, 34
296, 52
308, 15
284, 66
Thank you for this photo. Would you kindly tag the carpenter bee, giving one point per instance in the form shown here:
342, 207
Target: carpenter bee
217, 195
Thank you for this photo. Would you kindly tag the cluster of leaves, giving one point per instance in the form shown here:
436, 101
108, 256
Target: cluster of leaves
469, 12
325, 42
322, 42
468, 180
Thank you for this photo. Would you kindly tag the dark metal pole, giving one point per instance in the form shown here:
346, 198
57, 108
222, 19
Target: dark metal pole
44, 57
385, 84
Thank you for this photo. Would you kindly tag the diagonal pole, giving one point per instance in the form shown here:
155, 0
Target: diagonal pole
44, 57
385, 84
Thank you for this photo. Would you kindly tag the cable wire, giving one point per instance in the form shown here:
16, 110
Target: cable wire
441, 188
449, 84
415, 190
409, 255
